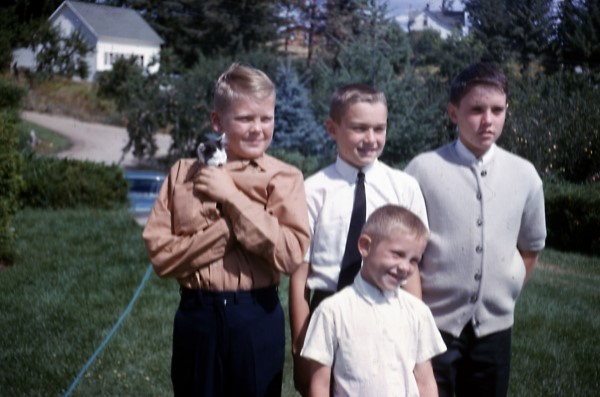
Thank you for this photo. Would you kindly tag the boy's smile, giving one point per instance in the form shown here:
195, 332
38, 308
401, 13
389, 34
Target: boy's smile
360, 134
479, 117
248, 123
389, 262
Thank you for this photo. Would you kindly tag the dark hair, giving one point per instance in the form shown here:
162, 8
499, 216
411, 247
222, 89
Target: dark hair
477, 74
348, 95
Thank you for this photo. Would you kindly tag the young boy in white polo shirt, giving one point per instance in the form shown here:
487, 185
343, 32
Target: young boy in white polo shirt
377, 338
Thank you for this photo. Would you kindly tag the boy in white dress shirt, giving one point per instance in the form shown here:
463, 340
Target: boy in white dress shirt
358, 123
377, 338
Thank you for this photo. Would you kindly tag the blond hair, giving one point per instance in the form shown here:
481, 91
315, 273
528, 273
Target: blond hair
384, 220
348, 95
240, 81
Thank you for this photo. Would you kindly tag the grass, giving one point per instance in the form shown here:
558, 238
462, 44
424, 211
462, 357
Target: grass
70, 98
50, 141
78, 270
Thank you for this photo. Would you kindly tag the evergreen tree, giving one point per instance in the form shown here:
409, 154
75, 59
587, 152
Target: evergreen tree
210, 27
491, 24
532, 25
295, 125
578, 34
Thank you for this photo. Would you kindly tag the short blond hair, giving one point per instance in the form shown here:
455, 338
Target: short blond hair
384, 220
348, 95
240, 81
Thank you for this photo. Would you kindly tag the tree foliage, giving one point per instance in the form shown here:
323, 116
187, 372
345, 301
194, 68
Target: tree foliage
210, 27
578, 34
60, 55
295, 126
511, 29
10, 167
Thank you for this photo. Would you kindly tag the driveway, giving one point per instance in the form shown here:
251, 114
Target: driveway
95, 142
91, 141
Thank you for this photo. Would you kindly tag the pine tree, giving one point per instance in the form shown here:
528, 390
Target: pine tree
578, 34
491, 25
295, 125
532, 25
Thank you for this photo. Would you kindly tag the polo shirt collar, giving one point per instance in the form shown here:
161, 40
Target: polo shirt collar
349, 172
371, 293
466, 155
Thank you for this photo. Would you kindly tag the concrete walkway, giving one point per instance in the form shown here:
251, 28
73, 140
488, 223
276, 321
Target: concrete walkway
91, 141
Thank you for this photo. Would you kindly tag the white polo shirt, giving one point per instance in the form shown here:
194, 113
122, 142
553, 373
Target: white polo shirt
372, 339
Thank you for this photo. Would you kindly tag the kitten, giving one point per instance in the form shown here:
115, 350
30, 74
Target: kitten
212, 152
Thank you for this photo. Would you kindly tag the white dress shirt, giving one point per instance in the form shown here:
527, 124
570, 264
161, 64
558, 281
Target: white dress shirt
330, 196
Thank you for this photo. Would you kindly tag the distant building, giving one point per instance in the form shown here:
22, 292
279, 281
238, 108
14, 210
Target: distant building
111, 32
445, 22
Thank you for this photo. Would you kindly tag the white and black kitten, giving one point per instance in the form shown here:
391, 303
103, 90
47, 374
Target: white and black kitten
213, 152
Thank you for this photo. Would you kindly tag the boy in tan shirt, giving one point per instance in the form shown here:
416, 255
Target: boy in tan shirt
226, 233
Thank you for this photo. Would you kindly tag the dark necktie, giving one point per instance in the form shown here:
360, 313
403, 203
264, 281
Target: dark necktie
352, 259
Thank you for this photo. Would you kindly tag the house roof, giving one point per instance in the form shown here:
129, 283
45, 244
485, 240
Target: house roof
107, 21
450, 19
445, 18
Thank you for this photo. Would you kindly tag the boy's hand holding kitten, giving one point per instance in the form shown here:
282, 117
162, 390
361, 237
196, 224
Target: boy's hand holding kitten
212, 180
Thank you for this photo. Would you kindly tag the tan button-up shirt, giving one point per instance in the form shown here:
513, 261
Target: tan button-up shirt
259, 232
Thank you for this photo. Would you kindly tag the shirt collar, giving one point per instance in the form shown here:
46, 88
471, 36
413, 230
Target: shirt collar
466, 155
349, 172
259, 163
371, 293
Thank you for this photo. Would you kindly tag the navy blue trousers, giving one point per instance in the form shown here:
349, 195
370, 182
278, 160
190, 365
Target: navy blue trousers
228, 344
474, 367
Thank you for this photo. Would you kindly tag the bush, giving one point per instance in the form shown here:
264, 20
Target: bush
573, 217
554, 121
10, 183
10, 95
307, 164
64, 183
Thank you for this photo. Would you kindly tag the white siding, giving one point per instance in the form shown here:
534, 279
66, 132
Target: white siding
108, 52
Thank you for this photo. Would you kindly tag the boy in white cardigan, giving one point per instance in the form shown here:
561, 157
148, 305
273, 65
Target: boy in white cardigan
486, 216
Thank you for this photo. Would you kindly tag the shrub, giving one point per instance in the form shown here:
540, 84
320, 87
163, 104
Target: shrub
573, 217
64, 183
10, 95
10, 183
554, 121
307, 164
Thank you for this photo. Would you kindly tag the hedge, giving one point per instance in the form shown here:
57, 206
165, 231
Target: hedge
66, 183
573, 217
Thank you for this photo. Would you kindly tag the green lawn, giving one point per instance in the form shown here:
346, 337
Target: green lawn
78, 270
49, 141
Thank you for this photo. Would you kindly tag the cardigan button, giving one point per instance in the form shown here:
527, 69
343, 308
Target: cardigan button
477, 277
479, 249
483, 173
478, 195
473, 299
479, 222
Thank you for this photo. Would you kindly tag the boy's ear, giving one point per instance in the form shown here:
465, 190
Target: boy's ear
215, 121
452, 112
331, 127
364, 245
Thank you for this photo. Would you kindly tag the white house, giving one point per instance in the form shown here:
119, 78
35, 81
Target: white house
111, 32
445, 22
